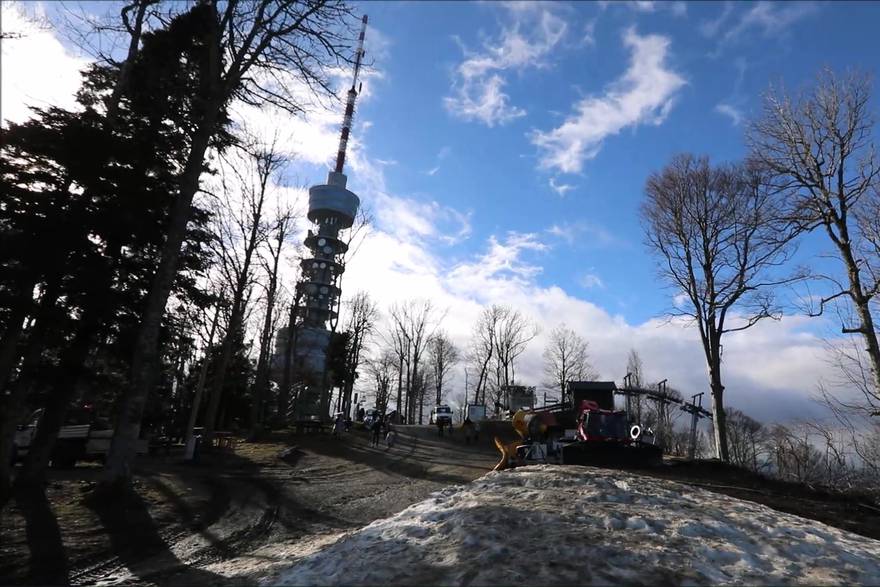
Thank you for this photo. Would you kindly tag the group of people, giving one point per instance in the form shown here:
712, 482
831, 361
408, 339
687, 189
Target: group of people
382, 425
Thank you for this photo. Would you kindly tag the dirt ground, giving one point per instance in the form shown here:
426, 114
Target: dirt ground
234, 517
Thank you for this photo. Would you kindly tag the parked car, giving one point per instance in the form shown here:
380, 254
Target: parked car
441, 415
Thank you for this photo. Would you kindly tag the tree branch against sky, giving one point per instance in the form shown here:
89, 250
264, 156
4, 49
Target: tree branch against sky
720, 239
820, 146
566, 359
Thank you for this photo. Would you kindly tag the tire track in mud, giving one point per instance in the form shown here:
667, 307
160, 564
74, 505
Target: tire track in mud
331, 489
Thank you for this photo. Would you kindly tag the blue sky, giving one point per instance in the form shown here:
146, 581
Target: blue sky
503, 148
725, 63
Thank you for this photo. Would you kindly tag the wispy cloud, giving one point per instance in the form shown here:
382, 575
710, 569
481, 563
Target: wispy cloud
478, 88
589, 34
770, 19
590, 281
583, 231
710, 28
678, 8
504, 258
560, 188
643, 94
736, 117
441, 155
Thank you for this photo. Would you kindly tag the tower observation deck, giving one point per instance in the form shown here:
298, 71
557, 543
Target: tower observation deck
332, 208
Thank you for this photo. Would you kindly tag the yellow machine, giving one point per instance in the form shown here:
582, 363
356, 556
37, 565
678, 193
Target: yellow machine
522, 421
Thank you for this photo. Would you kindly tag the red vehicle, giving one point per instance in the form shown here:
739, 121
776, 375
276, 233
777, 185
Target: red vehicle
605, 440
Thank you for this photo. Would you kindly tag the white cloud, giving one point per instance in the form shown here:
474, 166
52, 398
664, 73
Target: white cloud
677, 8
478, 83
590, 280
37, 69
769, 371
589, 37
710, 28
730, 111
585, 232
441, 155
643, 94
560, 188
771, 18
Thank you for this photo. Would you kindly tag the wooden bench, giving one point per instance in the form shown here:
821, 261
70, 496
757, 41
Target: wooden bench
309, 426
224, 441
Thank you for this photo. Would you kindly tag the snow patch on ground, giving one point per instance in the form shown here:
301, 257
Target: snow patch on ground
552, 525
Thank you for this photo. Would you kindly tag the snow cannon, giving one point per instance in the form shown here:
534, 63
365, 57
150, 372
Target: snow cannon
534, 426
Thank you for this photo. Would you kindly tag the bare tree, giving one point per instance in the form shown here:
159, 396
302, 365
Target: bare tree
208, 345
659, 416
413, 325
443, 356
360, 324
242, 230
635, 369
820, 146
381, 370
718, 235
746, 439
795, 458
482, 349
398, 342
566, 359
289, 334
281, 229
251, 48
513, 334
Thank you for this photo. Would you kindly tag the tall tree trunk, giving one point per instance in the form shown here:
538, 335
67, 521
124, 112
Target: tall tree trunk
9, 343
220, 371
145, 360
410, 404
203, 375
400, 411
261, 383
719, 419
287, 375
15, 391
125, 71
863, 309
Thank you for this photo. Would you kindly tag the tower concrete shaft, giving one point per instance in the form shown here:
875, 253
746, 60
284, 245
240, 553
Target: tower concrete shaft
332, 208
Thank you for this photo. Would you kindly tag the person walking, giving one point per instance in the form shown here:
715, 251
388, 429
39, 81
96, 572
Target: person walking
338, 426
390, 437
377, 431
468, 427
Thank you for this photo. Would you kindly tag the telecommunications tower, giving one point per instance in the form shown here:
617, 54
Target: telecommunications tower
332, 208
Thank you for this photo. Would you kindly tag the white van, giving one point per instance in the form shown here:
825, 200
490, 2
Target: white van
441, 414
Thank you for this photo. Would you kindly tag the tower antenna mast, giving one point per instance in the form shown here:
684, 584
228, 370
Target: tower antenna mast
352, 96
